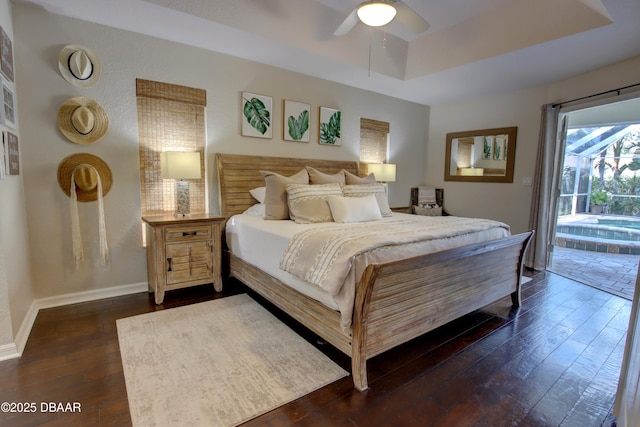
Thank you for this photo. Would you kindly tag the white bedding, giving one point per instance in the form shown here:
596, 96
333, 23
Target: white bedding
262, 243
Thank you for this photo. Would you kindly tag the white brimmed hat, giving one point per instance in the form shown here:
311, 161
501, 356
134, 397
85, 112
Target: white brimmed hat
79, 65
82, 120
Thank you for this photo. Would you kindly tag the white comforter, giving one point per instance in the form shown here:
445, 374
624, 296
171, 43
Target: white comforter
264, 244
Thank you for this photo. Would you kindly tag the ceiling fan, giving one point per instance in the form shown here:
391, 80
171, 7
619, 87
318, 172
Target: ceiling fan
379, 13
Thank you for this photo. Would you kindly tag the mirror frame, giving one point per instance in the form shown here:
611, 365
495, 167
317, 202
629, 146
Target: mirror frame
511, 133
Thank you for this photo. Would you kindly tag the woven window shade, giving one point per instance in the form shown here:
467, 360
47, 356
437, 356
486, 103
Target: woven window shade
170, 118
374, 139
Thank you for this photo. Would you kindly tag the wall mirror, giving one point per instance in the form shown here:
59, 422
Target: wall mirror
486, 155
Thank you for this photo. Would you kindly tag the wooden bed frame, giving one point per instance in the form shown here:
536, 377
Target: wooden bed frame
395, 301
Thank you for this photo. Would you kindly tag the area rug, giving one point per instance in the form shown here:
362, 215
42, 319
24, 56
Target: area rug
216, 363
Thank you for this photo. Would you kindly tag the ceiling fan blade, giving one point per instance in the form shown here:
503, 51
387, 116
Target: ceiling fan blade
347, 24
411, 19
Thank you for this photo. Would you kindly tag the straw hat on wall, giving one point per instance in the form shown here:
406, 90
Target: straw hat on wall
82, 120
79, 65
84, 168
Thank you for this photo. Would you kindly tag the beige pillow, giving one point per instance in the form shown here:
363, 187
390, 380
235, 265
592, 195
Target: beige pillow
354, 209
351, 179
308, 203
275, 199
366, 189
317, 177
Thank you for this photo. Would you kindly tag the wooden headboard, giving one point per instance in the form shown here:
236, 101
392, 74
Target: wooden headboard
237, 174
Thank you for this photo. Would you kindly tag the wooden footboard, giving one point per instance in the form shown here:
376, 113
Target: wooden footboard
400, 300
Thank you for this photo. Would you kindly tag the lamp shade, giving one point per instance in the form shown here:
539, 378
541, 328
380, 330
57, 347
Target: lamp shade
376, 13
471, 171
384, 172
180, 165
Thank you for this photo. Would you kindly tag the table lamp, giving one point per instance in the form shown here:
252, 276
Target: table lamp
180, 165
384, 172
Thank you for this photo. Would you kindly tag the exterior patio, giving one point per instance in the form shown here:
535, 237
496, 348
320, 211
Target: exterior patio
613, 273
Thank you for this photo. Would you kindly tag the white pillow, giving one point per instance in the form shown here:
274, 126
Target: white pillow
354, 209
366, 189
259, 193
255, 210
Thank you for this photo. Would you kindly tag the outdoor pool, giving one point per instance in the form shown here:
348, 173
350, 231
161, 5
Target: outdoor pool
632, 223
600, 234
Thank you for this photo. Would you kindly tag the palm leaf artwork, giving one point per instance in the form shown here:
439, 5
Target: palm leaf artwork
257, 114
298, 127
330, 131
486, 150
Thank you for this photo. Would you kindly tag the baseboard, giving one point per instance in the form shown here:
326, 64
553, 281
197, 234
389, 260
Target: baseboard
25, 328
116, 291
13, 350
8, 351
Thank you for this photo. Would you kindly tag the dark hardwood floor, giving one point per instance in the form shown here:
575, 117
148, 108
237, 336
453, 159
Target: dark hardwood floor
553, 362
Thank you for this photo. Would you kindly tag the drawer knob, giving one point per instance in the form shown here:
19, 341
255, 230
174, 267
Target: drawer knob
191, 233
169, 261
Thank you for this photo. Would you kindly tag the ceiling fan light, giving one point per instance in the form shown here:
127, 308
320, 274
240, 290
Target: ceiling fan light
376, 14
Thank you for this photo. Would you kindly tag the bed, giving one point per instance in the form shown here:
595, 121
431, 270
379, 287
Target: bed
394, 301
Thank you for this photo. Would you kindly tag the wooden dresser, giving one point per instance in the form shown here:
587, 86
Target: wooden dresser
182, 252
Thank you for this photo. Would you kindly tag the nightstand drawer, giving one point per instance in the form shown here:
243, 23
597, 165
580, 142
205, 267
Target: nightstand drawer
182, 233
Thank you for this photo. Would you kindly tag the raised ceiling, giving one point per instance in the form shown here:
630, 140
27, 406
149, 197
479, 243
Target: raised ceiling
472, 47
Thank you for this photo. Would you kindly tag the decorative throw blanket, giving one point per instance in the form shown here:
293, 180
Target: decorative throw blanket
325, 256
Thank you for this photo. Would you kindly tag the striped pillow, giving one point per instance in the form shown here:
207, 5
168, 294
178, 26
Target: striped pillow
363, 190
308, 203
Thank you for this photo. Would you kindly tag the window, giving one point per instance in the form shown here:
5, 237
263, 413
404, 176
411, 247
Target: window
374, 141
170, 118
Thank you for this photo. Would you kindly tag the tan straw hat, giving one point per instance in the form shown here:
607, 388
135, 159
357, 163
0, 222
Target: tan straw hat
79, 65
87, 167
82, 120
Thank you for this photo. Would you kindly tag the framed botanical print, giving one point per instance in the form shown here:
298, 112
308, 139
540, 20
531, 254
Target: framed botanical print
11, 153
296, 121
7, 109
6, 55
257, 115
330, 126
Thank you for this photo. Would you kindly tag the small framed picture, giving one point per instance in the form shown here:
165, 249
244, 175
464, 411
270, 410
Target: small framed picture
3, 157
330, 126
7, 110
11, 153
257, 115
296, 121
6, 55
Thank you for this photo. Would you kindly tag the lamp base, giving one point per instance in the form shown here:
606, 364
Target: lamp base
183, 207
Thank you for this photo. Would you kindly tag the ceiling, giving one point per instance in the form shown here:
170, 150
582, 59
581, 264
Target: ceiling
472, 48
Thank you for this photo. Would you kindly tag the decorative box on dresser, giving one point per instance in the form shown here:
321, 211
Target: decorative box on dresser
182, 252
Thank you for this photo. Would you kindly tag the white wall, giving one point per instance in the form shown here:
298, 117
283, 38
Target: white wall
15, 278
501, 201
126, 56
509, 202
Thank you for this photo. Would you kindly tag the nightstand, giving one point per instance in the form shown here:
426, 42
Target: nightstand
182, 252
